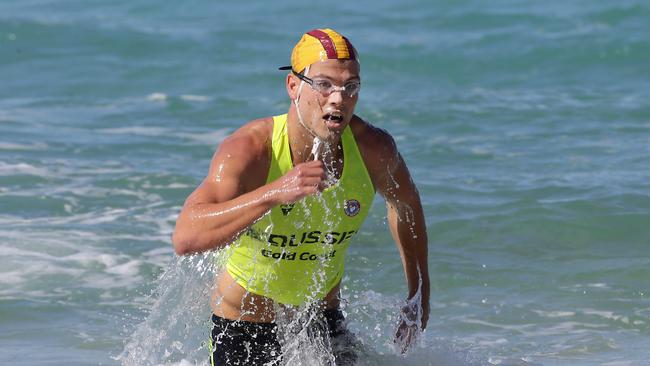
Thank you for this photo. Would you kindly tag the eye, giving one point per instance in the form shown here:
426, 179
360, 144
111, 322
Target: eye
322, 84
352, 86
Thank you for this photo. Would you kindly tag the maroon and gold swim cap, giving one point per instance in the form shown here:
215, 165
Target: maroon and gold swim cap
320, 45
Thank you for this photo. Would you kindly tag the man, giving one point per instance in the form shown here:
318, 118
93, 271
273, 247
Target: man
288, 193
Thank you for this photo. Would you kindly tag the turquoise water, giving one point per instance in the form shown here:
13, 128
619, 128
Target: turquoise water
526, 127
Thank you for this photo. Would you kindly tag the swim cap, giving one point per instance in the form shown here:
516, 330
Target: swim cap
320, 45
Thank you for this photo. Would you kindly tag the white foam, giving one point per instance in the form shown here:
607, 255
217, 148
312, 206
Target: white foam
148, 185
130, 268
160, 256
23, 147
12, 294
604, 314
90, 257
185, 362
492, 343
554, 314
195, 98
8, 169
524, 361
480, 151
104, 282
525, 329
211, 138
137, 130
11, 278
619, 363
157, 97
32, 256
159, 251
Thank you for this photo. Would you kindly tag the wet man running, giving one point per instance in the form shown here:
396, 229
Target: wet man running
289, 194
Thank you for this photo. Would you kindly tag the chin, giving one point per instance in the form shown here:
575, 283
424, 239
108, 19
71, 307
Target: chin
329, 137
332, 135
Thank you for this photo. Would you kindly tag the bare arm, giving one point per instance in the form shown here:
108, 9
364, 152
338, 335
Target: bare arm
234, 194
407, 225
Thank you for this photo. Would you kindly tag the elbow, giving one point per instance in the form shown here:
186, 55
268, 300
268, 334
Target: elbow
180, 251
185, 244
193, 241
182, 245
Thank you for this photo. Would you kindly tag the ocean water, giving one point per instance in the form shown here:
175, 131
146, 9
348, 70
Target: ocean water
526, 126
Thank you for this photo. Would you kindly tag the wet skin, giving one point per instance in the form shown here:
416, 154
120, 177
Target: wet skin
234, 194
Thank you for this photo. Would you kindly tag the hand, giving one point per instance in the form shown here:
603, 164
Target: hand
303, 180
413, 320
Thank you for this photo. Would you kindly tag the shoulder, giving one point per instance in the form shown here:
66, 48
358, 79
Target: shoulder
387, 169
244, 155
379, 153
250, 140
376, 145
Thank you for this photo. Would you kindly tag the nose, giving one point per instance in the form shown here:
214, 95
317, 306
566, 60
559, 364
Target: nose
335, 97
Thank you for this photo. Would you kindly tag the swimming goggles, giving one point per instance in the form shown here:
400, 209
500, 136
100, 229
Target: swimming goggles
326, 87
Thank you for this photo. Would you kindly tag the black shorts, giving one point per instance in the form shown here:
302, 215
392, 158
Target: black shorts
237, 342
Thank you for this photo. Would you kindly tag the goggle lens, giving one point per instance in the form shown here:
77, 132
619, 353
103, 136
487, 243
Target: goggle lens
326, 87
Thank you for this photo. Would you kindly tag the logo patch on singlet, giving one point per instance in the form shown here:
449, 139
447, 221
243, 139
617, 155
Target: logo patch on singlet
286, 208
351, 207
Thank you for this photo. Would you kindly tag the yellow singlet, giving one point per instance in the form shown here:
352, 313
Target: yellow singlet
296, 252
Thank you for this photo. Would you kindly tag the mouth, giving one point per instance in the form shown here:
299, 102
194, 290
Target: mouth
333, 120
333, 117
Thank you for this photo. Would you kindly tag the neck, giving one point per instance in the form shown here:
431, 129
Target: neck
301, 143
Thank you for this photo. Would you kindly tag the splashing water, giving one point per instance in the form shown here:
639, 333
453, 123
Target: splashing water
177, 328
315, 147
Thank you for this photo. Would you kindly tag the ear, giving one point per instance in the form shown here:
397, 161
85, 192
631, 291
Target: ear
292, 84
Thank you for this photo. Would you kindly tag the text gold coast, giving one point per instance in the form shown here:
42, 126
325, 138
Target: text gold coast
304, 256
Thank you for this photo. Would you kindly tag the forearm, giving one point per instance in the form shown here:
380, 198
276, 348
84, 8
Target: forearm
409, 232
205, 226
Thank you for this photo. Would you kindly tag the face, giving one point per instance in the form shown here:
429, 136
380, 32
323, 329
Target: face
326, 115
